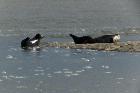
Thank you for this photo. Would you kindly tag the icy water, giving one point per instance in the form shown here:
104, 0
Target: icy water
58, 70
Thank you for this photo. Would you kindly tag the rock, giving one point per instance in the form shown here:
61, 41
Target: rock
129, 46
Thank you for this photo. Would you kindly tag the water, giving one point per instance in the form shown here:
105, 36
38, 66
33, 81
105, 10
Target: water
58, 70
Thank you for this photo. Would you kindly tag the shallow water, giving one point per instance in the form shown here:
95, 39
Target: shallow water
57, 70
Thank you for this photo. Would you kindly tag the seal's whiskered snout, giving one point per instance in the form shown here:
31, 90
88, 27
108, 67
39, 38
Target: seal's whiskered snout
116, 38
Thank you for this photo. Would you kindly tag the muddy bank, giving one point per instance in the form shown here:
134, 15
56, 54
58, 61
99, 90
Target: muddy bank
129, 46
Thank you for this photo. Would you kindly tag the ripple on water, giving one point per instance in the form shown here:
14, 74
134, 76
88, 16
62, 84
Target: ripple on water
65, 69
3, 72
88, 67
49, 75
58, 72
85, 59
9, 57
1, 80
19, 68
78, 50
120, 78
112, 54
80, 71
133, 78
16, 77
68, 72
12, 49
44, 50
56, 51
75, 74
67, 55
67, 75
21, 87
39, 70
105, 67
108, 72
